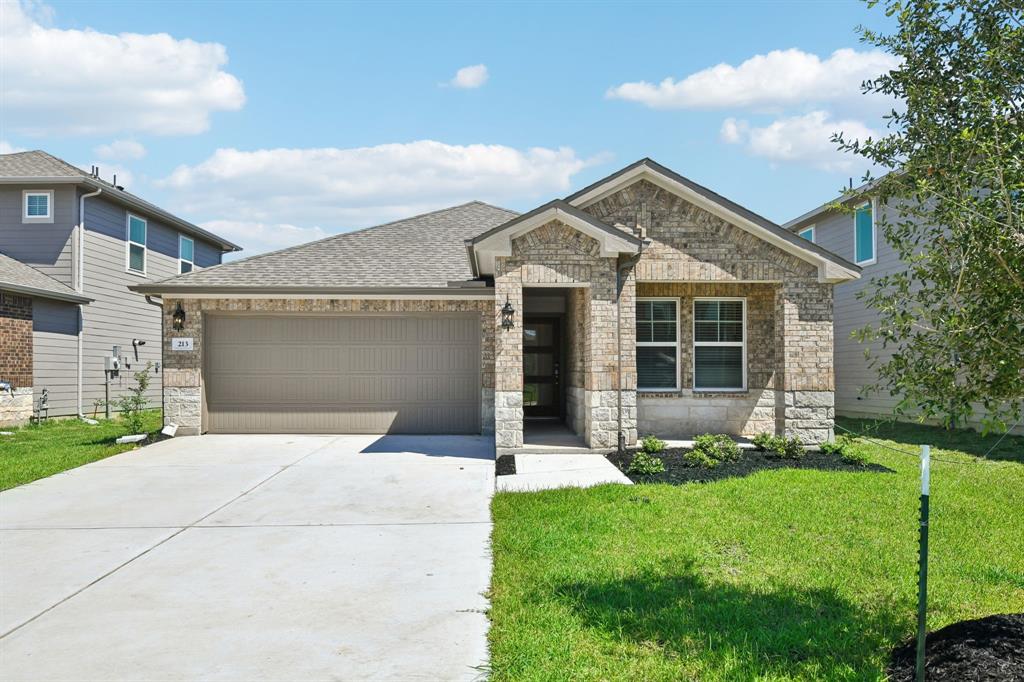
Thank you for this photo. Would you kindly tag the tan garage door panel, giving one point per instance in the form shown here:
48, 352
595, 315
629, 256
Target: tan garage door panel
343, 374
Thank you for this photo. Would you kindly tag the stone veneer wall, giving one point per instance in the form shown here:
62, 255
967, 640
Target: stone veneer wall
557, 255
15, 358
689, 244
182, 381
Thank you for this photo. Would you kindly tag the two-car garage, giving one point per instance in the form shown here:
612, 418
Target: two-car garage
345, 373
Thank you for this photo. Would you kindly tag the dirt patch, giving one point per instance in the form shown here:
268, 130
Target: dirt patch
678, 470
989, 648
505, 465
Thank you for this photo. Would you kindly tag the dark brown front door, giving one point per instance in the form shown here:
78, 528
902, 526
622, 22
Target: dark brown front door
542, 354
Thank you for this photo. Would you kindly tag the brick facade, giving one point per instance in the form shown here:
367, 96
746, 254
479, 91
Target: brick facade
15, 358
690, 253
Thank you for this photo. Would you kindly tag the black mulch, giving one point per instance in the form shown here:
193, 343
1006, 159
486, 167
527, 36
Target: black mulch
989, 648
505, 465
678, 471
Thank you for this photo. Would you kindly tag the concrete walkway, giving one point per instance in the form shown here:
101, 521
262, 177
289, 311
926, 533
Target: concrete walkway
252, 558
543, 472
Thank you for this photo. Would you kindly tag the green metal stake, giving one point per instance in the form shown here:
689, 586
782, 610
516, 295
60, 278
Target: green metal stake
922, 571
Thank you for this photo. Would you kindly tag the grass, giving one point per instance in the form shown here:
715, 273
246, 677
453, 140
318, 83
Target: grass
787, 574
41, 450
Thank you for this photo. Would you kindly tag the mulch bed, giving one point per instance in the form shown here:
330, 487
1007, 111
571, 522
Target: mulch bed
505, 465
678, 471
989, 648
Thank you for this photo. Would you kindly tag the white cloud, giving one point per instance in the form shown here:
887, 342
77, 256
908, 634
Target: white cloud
84, 82
258, 237
129, 150
803, 139
469, 77
779, 78
347, 188
8, 148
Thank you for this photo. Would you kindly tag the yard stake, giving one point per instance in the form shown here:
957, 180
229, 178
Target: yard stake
922, 571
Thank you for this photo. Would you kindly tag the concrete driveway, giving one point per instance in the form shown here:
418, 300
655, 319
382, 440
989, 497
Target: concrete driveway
252, 557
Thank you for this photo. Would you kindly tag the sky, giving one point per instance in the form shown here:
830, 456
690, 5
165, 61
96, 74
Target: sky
275, 123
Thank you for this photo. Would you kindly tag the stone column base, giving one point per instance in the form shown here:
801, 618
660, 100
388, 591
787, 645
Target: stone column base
16, 407
602, 418
508, 419
809, 415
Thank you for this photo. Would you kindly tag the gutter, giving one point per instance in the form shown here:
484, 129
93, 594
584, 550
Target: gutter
473, 290
160, 304
80, 288
44, 293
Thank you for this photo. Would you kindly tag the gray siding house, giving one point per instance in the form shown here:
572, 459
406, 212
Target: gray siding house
855, 236
95, 239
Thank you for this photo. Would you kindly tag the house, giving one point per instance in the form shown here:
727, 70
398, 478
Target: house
644, 303
70, 244
848, 226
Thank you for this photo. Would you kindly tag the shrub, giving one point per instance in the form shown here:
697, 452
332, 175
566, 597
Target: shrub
652, 445
763, 441
855, 455
645, 464
780, 446
836, 448
134, 403
711, 450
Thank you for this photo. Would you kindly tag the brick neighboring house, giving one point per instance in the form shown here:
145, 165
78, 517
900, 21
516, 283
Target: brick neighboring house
20, 287
91, 238
644, 303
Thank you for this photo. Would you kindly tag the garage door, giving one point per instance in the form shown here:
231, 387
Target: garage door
342, 374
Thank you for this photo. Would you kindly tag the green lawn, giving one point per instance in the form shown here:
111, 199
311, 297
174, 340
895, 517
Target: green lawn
37, 451
780, 575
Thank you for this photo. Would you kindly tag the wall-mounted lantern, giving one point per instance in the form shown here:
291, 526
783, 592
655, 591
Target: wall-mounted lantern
507, 313
178, 318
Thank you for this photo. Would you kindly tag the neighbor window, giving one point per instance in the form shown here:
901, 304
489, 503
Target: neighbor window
864, 235
657, 344
808, 233
38, 206
136, 244
719, 344
186, 251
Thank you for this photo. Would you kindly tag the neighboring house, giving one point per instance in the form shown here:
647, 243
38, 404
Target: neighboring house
92, 239
852, 232
643, 303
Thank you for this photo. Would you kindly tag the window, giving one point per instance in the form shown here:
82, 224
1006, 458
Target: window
186, 251
657, 344
719, 344
136, 244
38, 206
808, 233
864, 235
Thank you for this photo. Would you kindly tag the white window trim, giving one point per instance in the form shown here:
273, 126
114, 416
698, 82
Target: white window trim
661, 344
874, 233
181, 260
742, 344
128, 245
810, 228
25, 217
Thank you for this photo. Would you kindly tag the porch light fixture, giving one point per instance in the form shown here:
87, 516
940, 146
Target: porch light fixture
178, 318
507, 311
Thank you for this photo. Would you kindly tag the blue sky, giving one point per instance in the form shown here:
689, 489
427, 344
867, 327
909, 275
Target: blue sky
321, 112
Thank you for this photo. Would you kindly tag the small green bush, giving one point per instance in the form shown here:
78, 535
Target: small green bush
836, 448
652, 445
780, 446
855, 455
711, 450
645, 464
763, 441
135, 402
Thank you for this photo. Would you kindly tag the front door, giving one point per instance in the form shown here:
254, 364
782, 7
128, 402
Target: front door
542, 354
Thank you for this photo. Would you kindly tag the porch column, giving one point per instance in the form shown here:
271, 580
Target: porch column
804, 377
508, 362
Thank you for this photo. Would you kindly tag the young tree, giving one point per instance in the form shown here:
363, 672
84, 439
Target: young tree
954, 317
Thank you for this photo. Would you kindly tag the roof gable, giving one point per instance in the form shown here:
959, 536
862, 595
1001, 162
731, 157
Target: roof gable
483, 248
831, 268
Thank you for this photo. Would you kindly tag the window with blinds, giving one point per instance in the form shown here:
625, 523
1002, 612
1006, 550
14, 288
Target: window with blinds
657, 344
719, 344
136, 253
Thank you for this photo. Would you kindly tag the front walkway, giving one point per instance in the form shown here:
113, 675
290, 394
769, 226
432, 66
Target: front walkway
252, 558
543, 472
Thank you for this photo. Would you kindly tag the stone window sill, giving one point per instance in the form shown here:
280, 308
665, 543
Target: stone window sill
692, 394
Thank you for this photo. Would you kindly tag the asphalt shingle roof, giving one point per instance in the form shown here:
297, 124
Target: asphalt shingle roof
424, 251
39, 164
24, 279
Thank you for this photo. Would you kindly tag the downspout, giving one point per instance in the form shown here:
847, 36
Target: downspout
80, 288
623, 266
160, 304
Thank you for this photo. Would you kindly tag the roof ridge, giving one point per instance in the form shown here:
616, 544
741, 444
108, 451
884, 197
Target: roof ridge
337, 235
